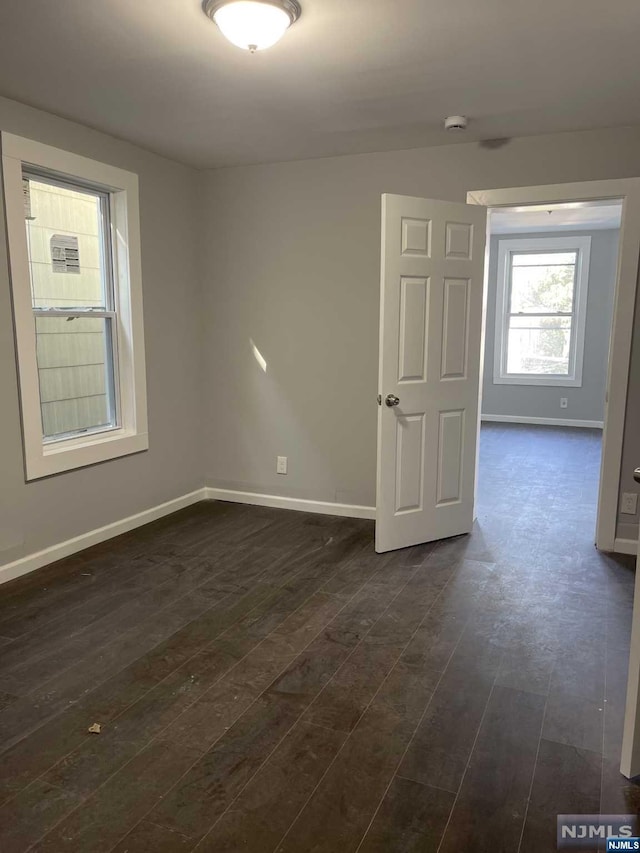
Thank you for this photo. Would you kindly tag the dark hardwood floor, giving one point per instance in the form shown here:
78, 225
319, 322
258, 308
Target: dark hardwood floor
265, 682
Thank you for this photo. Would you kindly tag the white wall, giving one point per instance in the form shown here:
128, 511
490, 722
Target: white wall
42, 513
586, 402
292, 263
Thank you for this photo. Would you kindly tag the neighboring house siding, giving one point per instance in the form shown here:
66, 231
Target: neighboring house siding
71, 353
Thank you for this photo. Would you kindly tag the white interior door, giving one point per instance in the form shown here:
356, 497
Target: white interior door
432, 287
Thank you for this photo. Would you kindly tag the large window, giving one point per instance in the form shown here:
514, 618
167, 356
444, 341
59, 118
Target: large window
75, 268
541, 310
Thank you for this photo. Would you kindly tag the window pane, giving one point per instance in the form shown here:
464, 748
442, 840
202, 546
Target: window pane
542, 289
74, 371
539, 345
66, 252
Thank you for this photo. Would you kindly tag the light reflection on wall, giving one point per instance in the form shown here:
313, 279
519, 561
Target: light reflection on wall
258, 356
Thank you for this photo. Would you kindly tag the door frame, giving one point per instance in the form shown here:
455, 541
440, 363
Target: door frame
626, 190
630, 758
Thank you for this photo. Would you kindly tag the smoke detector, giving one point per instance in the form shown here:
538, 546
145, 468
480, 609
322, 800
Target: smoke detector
456, 123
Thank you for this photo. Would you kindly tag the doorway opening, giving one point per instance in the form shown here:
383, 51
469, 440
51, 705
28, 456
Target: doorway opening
604, 193
550, 285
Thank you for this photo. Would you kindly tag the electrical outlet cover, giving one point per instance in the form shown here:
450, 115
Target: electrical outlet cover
629, 503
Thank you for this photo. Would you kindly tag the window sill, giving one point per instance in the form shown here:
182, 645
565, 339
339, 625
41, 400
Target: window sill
78, 453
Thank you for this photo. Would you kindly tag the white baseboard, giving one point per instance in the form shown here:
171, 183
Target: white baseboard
517, 419
625, 546
20, 567
299, 504
30, 563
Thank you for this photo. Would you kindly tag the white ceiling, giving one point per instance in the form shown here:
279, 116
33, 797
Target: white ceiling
350, 76
577, 216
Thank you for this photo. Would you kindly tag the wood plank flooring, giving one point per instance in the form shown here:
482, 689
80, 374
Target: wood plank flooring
265, 682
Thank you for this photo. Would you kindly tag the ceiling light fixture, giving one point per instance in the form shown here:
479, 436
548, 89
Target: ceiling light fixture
253, 24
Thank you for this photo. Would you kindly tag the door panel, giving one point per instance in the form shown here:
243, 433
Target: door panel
409, 448
454, 328
459, 241
430, 338
414, 305
450, 457
416, 237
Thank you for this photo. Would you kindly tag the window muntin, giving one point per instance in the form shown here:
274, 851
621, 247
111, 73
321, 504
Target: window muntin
74, 306
541, 310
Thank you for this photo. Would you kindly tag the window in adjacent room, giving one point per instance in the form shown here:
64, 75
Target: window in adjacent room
75, 267
541, 310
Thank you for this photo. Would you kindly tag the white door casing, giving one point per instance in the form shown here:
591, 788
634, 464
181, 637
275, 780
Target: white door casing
630, 760
432, 283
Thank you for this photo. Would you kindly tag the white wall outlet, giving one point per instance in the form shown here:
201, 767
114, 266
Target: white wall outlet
564, 402
629, 503
281, 466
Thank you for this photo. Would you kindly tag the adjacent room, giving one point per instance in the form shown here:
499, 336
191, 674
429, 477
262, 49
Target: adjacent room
320, 368
551, 283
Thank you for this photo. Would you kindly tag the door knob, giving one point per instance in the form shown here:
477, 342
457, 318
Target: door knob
636, 475
391, 400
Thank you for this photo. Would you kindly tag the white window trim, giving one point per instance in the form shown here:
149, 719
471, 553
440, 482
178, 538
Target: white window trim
576, 358
131, 436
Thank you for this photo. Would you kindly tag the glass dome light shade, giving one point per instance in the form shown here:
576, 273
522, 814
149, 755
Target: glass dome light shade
252, 24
